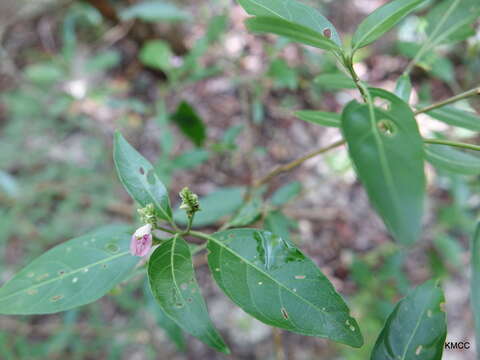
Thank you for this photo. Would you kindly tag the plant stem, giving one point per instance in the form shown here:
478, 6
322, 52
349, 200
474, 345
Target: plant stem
166, 230
452, 143
278, 344
287, 167
464, 95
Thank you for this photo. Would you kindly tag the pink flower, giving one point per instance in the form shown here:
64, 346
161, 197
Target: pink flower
141, 242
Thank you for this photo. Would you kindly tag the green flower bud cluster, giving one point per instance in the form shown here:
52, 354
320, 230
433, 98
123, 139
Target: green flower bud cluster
190, 202
148, 215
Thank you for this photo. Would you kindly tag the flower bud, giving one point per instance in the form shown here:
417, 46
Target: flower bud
141, 242
190, 202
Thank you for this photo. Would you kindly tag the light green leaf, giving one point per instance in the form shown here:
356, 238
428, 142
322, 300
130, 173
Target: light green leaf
387, 151
403, 89
214, 206
382, 20
139, 178
475, 283
277, 223
294, 12
322, 118
456, 117
44, 73
74, 273
456, 161
449, 18
248, 212
190, 159
290, 30
286, 193
154, 11
416, 328
274, 282
334, 81
157, 55
173, 284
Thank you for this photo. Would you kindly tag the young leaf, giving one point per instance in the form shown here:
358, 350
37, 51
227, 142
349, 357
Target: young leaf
416, 328
190, 123
215, 206
139, 179
290, 30
456, 161
173, 284
387, 150
286, 193
322, 118
475, 284
294, 12
456, 117
74, 273
157, 55
274, 282
381, 20
403, 88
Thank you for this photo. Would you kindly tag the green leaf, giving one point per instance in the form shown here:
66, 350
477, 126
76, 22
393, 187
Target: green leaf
139, 178
154, 11
290, 30
449, 18
416, 328
157, 55
214, 206
248, 212
283, 75
403, 89
44, 74
190, 159
387, 150
173, 284
334, 81
475, 283
190, 123
277, 223
294, 12
74, 273
456, 161
286, 193
456, 117
322, 118
382, 20
274, 282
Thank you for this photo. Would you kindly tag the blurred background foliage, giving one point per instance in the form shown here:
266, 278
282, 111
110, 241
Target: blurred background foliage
212, 107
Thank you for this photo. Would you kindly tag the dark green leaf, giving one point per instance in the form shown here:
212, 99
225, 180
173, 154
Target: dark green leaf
215, 206
274, 282
322, 118
290, 30
156, 54
456, 161
387, 150
139, 179
475, 283
286, 193
403, 88
295, 12
154, 11
173, 284
71, 274
382, 20
416, 329
190, 123
334, 81
456, 117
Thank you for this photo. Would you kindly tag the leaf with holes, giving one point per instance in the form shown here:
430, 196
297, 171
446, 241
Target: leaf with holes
294, 12
173, 284
322, 118
387, 151
290, 30
416, 328
475, 283
456, 161
273, 281
382, 20
139, 178
71, 274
